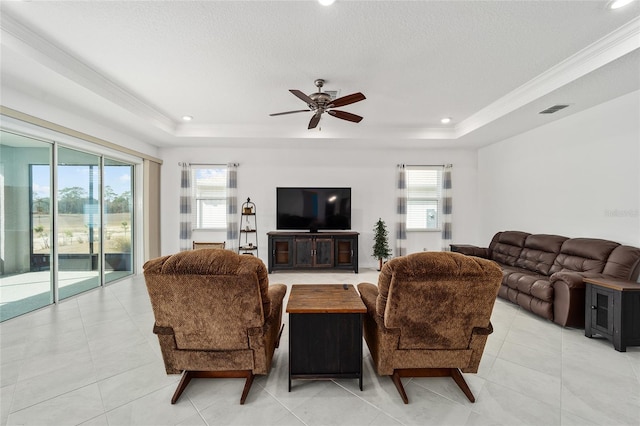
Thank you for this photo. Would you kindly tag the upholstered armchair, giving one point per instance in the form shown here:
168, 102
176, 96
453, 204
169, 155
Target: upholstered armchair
215, 315
429, 316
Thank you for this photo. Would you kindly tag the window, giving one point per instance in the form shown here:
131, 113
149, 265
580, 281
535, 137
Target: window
424, 191
210, 196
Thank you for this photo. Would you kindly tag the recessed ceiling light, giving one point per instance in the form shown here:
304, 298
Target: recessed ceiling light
446, 120
617, 4
187, 118
326, 2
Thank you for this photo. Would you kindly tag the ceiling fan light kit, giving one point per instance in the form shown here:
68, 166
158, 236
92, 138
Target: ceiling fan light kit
321, 102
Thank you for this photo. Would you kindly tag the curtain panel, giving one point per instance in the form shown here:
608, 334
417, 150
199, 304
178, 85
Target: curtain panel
232, 207
401, 211
447, 208
185, 207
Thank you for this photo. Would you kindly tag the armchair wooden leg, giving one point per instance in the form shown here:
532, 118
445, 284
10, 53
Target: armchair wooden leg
279, 335
456, 374
247, 387
184, 381
188, 375
396, 381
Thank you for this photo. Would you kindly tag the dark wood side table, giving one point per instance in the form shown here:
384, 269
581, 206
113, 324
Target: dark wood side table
612, 310
325, 332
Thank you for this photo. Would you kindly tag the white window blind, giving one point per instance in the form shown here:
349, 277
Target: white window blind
210, 196
424, 194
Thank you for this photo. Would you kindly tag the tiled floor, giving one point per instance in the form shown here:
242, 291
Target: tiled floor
93, 360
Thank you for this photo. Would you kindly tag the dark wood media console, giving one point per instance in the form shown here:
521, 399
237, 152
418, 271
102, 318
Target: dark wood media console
308, 250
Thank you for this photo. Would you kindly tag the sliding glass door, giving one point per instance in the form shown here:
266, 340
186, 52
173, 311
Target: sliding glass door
78, 221
65, 226
26, 281
118, 219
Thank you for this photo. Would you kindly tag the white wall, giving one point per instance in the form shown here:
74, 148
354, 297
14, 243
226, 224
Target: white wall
371, 174
578, 176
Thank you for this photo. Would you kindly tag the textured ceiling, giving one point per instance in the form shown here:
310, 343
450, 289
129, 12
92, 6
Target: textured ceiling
142, 65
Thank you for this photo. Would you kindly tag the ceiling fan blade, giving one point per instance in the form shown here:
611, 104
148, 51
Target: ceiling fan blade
304, 97
289, 112
345, 116
314, 121
346, 100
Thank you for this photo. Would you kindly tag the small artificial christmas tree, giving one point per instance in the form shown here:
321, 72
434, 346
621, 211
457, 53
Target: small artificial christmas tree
381, 248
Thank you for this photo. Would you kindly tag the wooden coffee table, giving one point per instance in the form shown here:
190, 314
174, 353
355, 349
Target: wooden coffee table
325, 332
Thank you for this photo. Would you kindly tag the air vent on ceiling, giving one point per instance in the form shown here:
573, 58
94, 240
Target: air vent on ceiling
553, 109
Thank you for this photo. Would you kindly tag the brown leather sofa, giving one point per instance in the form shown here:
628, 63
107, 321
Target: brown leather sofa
544, 273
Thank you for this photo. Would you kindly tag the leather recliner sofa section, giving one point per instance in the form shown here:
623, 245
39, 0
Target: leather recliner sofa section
544, 273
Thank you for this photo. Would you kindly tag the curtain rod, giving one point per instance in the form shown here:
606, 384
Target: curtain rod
180, 163
424, 165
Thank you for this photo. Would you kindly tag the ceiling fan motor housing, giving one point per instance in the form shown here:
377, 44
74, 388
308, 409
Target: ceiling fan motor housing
321, 99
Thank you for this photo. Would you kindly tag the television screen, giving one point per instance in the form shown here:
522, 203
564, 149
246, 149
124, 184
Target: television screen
313, 208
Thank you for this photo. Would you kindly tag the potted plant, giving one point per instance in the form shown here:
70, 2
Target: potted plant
381, 248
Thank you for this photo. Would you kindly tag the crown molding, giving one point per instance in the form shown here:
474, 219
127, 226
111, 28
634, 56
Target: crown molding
24, 41
609, 48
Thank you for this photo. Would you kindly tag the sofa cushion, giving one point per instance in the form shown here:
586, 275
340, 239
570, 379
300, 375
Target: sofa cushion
539, 252
583, 255
624, 263
505, 247
526, 282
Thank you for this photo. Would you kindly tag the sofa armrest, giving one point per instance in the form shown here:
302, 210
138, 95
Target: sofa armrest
470, 250
568, 297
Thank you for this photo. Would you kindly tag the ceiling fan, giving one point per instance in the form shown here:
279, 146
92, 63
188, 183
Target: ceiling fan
321, 102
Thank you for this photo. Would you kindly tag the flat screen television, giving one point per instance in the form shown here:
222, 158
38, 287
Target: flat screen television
313, 209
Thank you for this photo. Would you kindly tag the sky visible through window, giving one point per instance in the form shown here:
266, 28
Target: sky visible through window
116, 177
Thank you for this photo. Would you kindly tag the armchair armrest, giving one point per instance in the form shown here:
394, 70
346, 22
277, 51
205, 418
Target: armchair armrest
368, 294
483, 331
167, 331
276, 296
470, 250
479, 336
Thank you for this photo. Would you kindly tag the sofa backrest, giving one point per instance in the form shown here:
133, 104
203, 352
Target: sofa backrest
623, 263
540, 252
210, 298
583, 255
506, 246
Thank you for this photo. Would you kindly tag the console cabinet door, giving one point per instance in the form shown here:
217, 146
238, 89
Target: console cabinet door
303, 252
344, 252
282, 252
602, 310
323, 252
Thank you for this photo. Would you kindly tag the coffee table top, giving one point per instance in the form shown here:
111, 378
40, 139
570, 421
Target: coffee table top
324, 299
